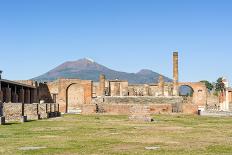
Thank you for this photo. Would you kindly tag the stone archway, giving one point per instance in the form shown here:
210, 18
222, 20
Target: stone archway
199, 96
186, 90
74, 97
187, 93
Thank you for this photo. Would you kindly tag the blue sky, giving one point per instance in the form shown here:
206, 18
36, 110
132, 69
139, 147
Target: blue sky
125, 35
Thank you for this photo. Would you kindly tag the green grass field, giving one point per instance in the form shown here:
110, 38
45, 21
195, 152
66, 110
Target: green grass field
99, 134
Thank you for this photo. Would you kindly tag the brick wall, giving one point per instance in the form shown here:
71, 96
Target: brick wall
14, 111
123, 105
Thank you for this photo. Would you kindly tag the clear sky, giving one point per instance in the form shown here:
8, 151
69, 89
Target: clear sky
125, 35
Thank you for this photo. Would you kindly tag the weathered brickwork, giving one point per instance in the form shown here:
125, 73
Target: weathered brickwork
138, 100
14, 111
122, 105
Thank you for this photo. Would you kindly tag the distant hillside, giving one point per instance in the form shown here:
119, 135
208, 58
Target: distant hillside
87, 69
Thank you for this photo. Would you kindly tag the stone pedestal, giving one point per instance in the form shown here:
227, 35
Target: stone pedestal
2, 120
140, 113
39, 117
23, 119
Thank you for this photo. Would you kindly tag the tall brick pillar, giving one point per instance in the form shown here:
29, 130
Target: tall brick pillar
175, 74
101, 90
8, 94
1, 93
22, 96
34, 98
117, 89
161, 86
28, 95
146, 90
15, 95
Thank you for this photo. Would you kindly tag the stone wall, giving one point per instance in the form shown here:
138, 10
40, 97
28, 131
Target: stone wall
123, 105
138, 100
14, 111
64, 85
118, 88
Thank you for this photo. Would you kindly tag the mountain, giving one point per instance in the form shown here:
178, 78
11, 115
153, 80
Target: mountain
87, 69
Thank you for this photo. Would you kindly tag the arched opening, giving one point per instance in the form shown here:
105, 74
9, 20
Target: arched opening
74, 97
186, 91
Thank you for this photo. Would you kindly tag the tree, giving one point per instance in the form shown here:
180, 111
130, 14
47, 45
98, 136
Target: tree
208, 85
220, 89
220, 86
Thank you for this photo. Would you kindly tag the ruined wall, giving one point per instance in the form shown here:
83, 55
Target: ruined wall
44, 93
138, 100
118, 88
139, 90
14, 111
95, 89
123, 105
64, 84
190, 109
27, 82
149, 90
200, 92
212, 99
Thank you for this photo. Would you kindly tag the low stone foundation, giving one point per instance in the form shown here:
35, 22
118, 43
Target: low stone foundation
123, 105
35, 111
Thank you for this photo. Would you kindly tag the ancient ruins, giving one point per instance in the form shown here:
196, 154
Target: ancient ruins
34, 100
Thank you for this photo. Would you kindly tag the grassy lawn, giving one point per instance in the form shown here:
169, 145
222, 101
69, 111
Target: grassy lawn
75, 134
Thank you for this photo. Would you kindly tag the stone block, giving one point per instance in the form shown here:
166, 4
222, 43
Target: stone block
23, 119
2, 120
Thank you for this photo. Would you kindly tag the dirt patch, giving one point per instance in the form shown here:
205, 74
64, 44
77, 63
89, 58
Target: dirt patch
125, 147
28, 148
50, 128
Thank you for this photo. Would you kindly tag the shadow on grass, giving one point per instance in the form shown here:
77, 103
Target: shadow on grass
11, 123
31, 121
14, 123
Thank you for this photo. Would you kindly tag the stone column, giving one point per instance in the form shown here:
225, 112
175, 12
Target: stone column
161, 86
8, 94
117, 89
15, 95
34, 96
1, 93
146, 90
101, 88
27, 95
175, 74
22, 96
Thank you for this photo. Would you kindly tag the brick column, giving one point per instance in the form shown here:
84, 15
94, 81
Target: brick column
34, 96
1, 93
101, 88
27, 95
8, 94
15, 95
175, 74
161, 86
117, 89
21, 96
146, 90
